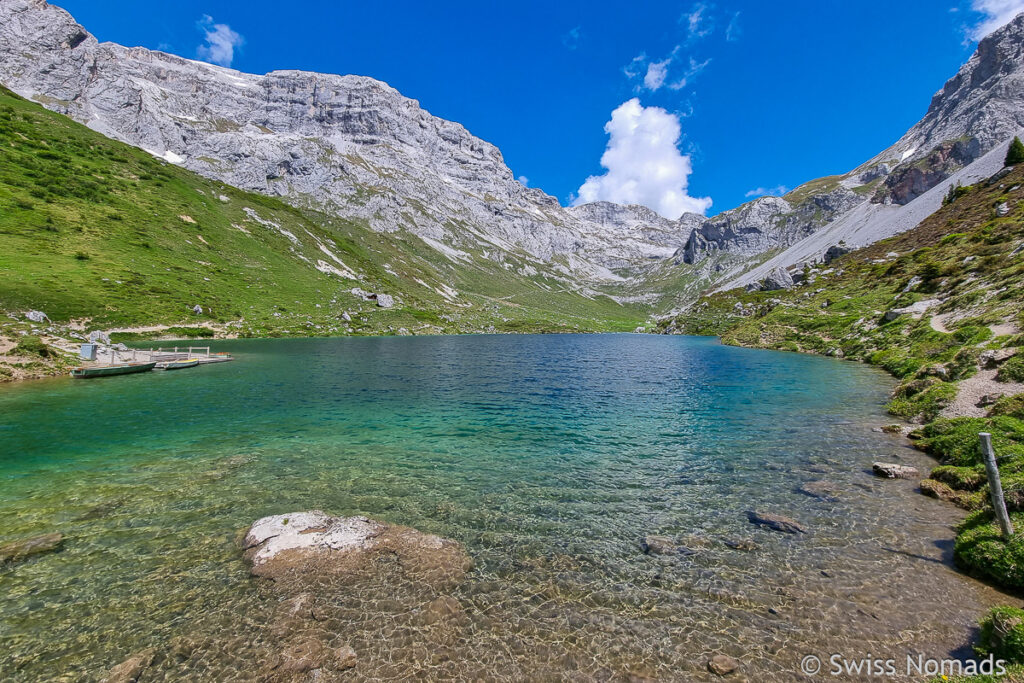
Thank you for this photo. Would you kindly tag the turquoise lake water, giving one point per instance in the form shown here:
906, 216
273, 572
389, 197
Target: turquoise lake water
548, 457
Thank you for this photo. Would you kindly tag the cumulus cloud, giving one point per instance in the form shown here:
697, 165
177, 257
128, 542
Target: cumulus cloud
524, 180
776, 191
644, 164
995, 13
221, 42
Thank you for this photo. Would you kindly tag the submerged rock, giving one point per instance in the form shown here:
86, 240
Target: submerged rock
744, 544
892, 470
130, 669
822, 490
25, 548
770, 520
721, 665
657, 545
305, 545
308, 652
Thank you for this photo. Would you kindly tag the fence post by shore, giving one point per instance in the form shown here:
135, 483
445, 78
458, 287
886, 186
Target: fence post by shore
995, 486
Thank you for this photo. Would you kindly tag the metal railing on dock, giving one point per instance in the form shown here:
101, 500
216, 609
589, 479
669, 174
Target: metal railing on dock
111, 355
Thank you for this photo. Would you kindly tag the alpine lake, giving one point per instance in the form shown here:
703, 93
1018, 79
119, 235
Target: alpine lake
549, 457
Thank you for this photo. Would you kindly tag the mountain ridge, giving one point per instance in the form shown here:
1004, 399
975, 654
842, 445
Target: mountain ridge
355, 148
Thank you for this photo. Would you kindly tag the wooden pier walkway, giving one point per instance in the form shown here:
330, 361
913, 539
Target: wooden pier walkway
109, 355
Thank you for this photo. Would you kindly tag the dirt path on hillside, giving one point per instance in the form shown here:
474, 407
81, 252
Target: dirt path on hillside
938, 323
161, 328
973, 388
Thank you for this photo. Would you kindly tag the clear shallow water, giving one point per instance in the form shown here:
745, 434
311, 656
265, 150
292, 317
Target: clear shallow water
549, 457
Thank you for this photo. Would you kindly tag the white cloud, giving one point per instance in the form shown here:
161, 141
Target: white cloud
997, 13
571, 40
690, 73
733, 30
656, 73
699, 22
776, 191
644, 164
221, 42
524, 180
632, 70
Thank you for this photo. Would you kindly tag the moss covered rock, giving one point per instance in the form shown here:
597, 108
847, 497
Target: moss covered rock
1012, 370
1002, 635
980, 550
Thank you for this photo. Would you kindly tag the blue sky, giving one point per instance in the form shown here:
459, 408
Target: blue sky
762, 94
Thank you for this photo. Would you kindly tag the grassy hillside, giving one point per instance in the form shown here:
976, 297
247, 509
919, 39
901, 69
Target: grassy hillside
96, 231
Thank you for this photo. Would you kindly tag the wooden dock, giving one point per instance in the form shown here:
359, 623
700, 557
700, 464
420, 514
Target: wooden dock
108, 355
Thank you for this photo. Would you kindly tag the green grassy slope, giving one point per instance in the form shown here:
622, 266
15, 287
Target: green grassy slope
91, 228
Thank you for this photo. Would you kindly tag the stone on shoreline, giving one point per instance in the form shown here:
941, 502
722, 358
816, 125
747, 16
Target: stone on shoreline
305, 545
891, 470
25, 548
770, 520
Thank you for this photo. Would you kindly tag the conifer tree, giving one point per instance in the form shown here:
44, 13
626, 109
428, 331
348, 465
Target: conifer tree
1015, 154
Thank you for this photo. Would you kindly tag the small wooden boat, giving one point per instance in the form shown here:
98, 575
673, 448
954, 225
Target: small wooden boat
178, 364
111, 370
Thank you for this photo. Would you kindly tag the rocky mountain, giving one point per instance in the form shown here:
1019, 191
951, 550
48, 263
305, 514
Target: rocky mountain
349, 145
969, 120
354, 148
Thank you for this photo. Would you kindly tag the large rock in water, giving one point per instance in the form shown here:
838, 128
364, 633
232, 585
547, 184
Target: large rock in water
25, 548
306, 545
770, 520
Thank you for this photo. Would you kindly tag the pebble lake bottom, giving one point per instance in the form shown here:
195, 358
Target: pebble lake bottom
548, 457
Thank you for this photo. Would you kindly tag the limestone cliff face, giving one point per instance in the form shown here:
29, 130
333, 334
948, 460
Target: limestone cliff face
764, 224
977, 110
351, 145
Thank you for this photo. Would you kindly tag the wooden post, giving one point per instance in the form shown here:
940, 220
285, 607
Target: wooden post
995, 487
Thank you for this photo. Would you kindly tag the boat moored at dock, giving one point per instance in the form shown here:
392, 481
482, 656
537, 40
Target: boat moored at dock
111, 370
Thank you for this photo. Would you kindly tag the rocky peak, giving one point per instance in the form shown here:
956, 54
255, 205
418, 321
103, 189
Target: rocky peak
975, 111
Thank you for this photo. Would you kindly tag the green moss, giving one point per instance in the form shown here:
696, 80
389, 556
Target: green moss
921, 398
1012, 370
980, 550
1002, 635
1012, 406
955, 441
31, 346
960, 478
